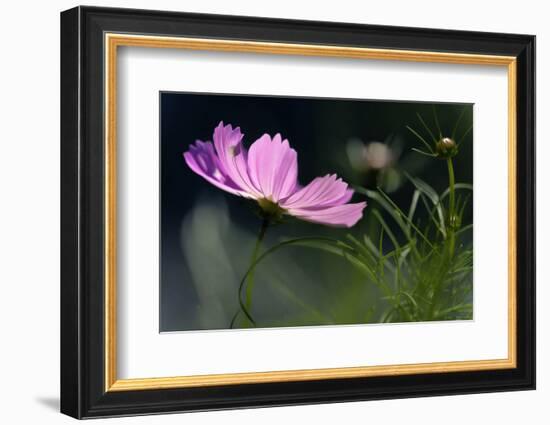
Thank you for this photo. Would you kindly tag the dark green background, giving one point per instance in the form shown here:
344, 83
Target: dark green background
207, 235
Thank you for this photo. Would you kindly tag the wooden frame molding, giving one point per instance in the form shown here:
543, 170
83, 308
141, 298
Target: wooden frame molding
114, 40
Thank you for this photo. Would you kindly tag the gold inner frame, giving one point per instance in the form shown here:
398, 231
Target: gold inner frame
113, 41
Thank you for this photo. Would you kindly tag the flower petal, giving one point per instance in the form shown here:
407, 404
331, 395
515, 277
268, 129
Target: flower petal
346, 215
325, 201
273, 167
270, 170
233, 157
202, 159
321, 192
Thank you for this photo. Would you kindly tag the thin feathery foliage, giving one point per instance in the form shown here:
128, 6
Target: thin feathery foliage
423, 276
427, 274
419, 259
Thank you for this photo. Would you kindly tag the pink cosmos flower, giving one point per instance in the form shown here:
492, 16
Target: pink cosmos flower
268, 174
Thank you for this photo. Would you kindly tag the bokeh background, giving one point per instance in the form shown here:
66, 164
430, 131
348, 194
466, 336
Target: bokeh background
207, 235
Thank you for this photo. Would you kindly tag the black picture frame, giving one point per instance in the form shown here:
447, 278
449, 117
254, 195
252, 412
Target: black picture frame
83, 392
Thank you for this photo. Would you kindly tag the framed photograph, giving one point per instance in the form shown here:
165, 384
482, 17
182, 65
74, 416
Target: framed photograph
261, 212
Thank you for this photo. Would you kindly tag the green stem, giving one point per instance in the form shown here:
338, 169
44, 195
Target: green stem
452, 213
250, 281
449, 242
336, 244
451, 187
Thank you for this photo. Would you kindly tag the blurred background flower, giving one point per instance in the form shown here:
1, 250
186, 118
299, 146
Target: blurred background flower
375, 163
381, 164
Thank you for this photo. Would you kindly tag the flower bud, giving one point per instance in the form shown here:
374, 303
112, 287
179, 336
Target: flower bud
454, 222
446, 148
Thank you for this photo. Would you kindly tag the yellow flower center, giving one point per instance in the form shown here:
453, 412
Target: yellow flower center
271, 210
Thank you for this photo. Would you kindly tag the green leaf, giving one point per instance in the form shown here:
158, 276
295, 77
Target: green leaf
363, 251
387, 229
464, 229
463, 186
459, 142
374, 250
388, 207
411, 299
338, 248
424, 187
428, 146
361, 267
432, 210
398, 211
430, 192
414, 203
426, 127
455, 309
420, 151
437, 122
457, 123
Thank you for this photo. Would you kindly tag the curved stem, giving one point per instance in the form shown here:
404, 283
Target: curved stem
250, 283
243, 308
